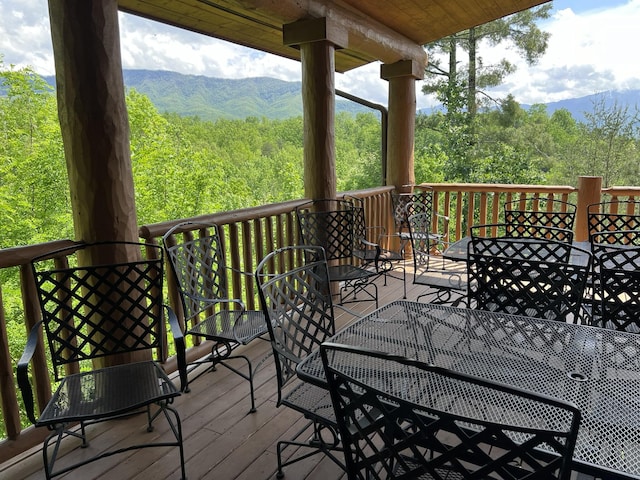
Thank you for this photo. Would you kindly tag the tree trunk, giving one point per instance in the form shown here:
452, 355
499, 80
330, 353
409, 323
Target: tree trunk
471, 100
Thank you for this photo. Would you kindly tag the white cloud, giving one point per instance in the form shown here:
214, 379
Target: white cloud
588, 52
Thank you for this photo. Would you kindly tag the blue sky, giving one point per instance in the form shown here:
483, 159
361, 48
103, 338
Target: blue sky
590, 51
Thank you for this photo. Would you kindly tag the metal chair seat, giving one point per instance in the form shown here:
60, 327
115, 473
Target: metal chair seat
108, 393
231, 326
313, 401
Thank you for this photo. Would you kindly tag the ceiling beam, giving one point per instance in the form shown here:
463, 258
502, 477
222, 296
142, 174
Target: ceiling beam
365, 35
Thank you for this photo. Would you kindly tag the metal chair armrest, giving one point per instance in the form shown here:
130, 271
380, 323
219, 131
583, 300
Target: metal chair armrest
22, 372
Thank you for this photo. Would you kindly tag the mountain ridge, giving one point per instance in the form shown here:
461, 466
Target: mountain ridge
211, 98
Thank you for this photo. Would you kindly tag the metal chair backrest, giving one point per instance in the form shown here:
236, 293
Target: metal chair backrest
330, 224
511, 230
293, 283
531, 277
619, 290
410, 203
199, 267
400, 418
541, 212
102, 309
614, 215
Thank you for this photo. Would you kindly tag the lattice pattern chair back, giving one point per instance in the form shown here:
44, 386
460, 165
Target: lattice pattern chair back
365, 248
200, 270
509, 230
297, 301
400, 419
618, 215
406, 204
619, 290
331, 224
558, 215
101, 310
536, 278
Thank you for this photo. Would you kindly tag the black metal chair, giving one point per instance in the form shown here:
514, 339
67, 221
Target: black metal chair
405, 204
613, 215
610, 240
527, 276
201, 273
400, 418
605, 242
332, 225
295, 294
446, 280
107, 314
368, 249
619, 290
542, 212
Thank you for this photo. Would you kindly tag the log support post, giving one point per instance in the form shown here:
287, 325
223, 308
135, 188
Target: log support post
317, 40
402, 78
93, 118
589, 191
95, 130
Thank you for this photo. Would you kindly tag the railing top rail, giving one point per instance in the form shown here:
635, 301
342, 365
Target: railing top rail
21, 255
498, 187
222, 218
622, 191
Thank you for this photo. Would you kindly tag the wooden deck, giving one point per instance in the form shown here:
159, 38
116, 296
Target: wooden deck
222, 440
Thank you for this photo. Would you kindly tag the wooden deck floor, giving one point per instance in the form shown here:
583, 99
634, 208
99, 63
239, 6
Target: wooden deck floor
222, 440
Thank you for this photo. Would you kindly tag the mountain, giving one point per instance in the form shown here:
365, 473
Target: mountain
578, 106
212, 98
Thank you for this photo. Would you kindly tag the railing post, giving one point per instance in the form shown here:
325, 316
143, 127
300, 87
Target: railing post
589, 191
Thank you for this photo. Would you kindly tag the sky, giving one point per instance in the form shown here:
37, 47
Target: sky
590, 50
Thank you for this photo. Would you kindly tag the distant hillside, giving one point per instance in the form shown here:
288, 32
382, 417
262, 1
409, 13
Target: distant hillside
578, 106
213, 98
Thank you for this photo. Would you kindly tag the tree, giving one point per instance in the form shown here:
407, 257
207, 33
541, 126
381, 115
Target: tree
608, 144
457, 85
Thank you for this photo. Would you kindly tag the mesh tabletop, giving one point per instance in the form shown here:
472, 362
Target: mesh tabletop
107, 391
596, 369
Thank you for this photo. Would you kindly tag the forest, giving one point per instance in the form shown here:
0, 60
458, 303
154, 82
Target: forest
184, 166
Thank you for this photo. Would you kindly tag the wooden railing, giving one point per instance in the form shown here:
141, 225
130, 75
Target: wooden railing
249, 234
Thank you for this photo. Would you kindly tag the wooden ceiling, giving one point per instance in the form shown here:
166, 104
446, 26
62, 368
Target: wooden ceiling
385, 30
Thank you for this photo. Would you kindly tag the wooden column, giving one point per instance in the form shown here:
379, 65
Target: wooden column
589, 191
317, 40
402, 120
93, 118
95, 131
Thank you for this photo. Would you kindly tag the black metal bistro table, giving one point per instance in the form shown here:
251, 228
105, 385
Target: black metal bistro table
596, 369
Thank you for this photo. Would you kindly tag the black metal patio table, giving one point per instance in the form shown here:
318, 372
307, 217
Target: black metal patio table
596, 369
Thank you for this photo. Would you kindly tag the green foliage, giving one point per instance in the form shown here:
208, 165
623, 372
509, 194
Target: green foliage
34, 192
